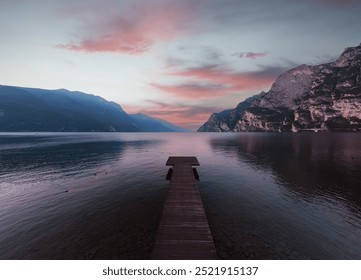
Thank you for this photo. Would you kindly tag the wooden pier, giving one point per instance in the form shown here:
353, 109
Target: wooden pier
183, 231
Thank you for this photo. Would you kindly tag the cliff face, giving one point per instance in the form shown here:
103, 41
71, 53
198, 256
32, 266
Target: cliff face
326, 97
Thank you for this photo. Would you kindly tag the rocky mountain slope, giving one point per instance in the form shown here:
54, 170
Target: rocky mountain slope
30, 109
325, 97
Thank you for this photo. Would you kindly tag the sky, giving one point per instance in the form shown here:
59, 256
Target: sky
179, 60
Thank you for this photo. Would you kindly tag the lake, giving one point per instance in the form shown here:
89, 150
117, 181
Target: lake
100, 195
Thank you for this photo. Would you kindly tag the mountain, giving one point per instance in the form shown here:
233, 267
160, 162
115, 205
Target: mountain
325, 97
33, 109
148, 124
30, 109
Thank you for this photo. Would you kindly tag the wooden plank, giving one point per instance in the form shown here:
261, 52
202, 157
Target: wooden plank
183, 231
182, 161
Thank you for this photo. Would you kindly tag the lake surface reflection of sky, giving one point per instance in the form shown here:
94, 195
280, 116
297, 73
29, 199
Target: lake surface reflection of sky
100, 195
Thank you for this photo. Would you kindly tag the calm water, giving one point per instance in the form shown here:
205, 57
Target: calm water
99, 196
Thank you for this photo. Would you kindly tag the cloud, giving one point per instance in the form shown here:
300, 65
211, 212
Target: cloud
192, 56
136, 28
171, 62
233, 80
276, 70
110, 44
251, 55
214, 81
205, 52
218, 80
193, 90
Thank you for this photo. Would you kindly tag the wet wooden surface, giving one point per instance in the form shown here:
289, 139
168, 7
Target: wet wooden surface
183, 231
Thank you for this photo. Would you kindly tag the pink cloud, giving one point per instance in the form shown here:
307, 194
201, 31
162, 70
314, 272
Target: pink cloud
135, 32
234, 81
110, 44
193, 90
214, 81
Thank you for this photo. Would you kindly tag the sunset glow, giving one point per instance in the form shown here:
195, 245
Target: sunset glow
179, 60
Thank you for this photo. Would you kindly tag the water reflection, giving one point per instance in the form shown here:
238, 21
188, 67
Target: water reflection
294, 196
56, 156
78, 197
99, 196
308, 164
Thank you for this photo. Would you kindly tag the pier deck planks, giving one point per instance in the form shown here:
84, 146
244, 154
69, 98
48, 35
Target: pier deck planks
183, 231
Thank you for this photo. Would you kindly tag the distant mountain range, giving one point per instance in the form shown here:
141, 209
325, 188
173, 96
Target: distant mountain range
40, 110
326, 97
148, 124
